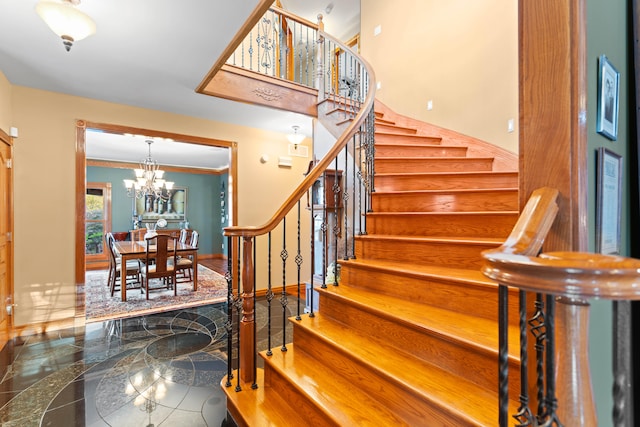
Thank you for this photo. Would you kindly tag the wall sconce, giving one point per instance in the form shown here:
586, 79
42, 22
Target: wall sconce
64, 19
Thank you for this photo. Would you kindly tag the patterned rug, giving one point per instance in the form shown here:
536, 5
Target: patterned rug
100, 305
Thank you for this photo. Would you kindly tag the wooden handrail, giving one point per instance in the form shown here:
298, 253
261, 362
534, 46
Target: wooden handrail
576, 275
314, 174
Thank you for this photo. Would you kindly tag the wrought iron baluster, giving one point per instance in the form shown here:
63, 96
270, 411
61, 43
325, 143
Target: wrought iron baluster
503, 355
269, 295
345, 201
325, 236
298, 260
313, 259
524, 416
538, 330
336, 222
283, 298
238, 307
353, 200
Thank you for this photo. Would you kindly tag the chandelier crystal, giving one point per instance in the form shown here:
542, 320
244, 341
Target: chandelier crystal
149, 180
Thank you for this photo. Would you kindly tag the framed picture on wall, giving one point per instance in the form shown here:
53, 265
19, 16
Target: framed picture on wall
608, 201
171, 206
608, 94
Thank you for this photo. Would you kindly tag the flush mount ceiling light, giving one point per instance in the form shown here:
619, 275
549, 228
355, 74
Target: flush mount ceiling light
64, 19
295, 137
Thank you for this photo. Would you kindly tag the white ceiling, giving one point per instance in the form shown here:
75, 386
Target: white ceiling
150, 54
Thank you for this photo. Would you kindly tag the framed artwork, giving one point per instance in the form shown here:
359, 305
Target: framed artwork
171, 206
608, 95
608, 201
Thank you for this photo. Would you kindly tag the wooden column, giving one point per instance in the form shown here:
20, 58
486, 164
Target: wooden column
248, 322
553, 94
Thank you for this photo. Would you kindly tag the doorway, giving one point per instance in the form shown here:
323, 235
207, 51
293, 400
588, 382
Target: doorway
83, 129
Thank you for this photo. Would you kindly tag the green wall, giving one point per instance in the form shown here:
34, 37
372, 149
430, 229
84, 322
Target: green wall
607, 29
203, 203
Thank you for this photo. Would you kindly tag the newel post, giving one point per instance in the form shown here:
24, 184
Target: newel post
248, 322
320, 59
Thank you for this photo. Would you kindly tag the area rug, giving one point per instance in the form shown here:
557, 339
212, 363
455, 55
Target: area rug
100, 305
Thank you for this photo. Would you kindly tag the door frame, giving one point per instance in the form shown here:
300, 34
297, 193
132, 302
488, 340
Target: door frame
81, 178
6, 326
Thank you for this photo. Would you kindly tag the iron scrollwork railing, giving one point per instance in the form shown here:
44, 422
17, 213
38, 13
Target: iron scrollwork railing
332, 198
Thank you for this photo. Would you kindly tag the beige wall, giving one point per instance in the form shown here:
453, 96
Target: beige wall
45, 186
5, 103
461, 54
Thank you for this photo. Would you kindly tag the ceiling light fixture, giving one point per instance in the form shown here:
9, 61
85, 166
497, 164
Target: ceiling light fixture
295, 137
64, 19
149, 180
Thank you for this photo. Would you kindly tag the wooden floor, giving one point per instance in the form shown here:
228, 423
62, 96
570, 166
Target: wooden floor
218, 265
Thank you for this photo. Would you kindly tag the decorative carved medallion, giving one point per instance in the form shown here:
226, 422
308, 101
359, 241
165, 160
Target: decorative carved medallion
267, 94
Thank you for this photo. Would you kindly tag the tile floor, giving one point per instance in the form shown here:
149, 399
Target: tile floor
157, 370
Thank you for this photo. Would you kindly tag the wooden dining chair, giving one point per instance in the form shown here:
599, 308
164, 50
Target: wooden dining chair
160, 261
137, 235
131, 270
185, 264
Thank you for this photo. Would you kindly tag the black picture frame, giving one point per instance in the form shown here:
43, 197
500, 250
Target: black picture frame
608, 99
608, 201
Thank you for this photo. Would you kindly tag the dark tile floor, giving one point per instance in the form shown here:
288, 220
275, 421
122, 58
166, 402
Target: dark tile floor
157, 370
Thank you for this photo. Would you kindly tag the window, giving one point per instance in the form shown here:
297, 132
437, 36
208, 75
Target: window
97, 220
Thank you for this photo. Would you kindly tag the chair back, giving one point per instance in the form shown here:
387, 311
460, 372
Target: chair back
163, 252
137, 235
109, 240
194, 239
183, 235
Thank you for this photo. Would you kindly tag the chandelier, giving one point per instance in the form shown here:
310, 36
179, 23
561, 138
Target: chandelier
149, 181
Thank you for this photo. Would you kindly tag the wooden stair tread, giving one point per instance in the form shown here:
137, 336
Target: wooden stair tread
249, 406
450, 213
443, 159
471, 277
458, 240
453, 190
425, 379
343, 402
430, 174
471, 331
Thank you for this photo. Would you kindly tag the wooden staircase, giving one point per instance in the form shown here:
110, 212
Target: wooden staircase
409, 336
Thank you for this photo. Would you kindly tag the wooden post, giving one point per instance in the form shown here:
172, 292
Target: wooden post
248, 323
576, 406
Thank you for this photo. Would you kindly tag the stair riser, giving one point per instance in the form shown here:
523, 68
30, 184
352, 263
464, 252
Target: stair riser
382, 127
389, 138
445, 182
451, 254
426, 165
402, 400
442, 225
277, 384
384, 150
445, 201
449, 294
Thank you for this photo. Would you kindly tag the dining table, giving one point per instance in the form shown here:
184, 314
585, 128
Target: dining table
138, 250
